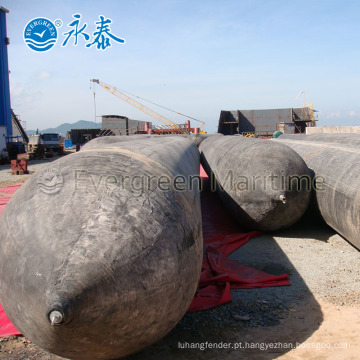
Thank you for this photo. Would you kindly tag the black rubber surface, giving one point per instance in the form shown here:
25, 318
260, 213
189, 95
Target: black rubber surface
119, 260
252, 175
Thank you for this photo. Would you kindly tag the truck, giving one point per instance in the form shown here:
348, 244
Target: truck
49, 142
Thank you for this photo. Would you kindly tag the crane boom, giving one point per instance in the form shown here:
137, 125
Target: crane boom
136, 104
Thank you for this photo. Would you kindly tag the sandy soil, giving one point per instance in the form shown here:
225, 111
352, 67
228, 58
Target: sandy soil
334, 339
6, 178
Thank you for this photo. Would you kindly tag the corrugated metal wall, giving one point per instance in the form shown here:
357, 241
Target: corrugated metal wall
119, 122
263, 121
259, 121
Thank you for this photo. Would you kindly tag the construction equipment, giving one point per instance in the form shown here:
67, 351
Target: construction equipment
170, 126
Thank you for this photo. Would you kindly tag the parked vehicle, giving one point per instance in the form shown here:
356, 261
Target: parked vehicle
49, 142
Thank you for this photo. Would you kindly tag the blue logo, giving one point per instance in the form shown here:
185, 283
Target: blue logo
40, 34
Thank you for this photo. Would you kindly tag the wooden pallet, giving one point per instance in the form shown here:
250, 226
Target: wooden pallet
19, 172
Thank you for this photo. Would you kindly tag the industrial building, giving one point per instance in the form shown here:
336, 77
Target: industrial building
121, 125
266, 122
111, 125
80, 136
5, 109
12, 133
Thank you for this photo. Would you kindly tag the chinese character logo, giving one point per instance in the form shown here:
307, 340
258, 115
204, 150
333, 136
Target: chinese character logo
75, 32
103, 34
101, 37
40, 34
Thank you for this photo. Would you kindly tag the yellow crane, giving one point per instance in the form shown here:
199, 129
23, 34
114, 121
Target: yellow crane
168, 123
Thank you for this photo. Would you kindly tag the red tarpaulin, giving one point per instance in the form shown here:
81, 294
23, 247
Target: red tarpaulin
219, 274
5, 195
6, 327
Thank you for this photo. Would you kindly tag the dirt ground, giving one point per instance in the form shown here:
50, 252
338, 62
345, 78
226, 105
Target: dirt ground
6, 178
335, 338
319, 313
317, 317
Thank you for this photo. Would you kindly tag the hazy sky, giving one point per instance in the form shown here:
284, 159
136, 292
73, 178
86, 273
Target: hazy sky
196, 57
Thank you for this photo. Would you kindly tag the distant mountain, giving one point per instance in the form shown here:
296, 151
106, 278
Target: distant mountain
63, 128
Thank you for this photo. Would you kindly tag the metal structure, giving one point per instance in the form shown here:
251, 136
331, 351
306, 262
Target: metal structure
12, 135
122, 125
18, 131
266, 122
5, 107
82, 136
169, 127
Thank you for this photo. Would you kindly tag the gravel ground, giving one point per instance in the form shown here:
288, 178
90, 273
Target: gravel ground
322, 303
6, 178
323, 269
